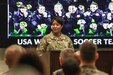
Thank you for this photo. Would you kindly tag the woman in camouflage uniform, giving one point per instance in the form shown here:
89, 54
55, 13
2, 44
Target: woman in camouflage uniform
55, 40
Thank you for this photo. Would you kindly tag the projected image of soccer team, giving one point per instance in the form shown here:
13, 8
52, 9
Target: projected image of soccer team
33, 18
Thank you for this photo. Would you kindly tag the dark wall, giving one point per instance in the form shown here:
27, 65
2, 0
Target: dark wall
105, 61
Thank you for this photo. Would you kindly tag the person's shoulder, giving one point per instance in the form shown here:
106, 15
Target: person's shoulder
102, 73
47, 36
58, 72
91, 71
65, 36
25, 70
6, 72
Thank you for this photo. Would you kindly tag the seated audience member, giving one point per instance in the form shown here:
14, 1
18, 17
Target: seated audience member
88, 55
29, 64
70, 66
12, 54
64, 54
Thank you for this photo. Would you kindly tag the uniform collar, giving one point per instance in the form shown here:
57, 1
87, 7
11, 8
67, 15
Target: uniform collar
88, 66
52, 36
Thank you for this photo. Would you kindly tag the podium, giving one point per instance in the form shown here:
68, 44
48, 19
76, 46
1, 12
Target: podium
105, 61
51, 61
54, 61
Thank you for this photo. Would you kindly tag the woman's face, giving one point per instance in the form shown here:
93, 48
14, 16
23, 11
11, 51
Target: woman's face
56, 27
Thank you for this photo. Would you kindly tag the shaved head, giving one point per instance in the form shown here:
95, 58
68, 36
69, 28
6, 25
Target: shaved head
12, 54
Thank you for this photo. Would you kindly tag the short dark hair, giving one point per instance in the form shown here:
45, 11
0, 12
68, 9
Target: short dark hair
59, 20
67, 52
70, 66
32, 59
88, 51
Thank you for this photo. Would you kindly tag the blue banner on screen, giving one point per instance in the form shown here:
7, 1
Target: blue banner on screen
30, 20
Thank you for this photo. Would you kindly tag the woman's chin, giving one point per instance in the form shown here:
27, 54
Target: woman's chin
55, 32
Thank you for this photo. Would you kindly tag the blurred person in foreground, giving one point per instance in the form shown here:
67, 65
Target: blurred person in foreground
64, 54
88, 56
30, 64
12, 55
70, 66
56, 40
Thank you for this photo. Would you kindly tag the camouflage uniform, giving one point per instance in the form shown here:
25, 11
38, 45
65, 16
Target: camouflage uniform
23, 70
50, 42
91, 70
58, 72
8, 72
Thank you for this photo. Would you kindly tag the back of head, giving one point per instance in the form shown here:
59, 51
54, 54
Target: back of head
70, 66
68, 52
88, 51
12, 54
31, 59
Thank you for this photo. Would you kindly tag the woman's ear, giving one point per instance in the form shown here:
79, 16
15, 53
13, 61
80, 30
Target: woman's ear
97, 55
